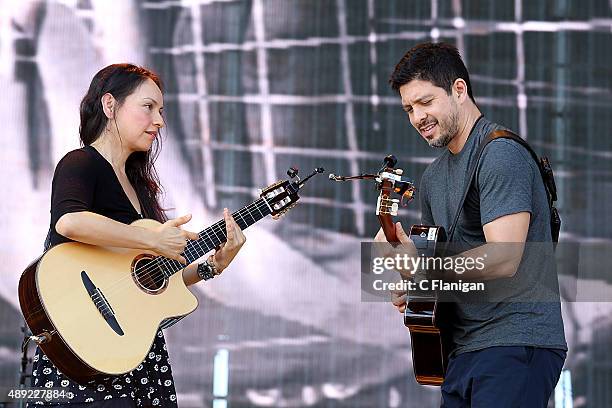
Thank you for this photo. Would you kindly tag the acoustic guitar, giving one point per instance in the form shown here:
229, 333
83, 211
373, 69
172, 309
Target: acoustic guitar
94, 311
423, 315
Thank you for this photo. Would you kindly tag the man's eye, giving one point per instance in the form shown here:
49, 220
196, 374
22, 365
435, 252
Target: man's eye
149, 106
427, 102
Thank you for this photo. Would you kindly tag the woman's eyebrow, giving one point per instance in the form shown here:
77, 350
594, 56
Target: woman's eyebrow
147, 97
154, 101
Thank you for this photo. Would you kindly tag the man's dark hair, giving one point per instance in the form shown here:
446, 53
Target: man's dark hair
438, 63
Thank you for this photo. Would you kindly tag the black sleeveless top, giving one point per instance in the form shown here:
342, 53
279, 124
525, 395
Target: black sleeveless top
85, 181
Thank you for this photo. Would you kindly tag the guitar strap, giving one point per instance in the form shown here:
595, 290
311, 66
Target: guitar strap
545, 172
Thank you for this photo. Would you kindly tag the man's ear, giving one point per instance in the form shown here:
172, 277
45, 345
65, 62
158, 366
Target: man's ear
109, 104
460, 91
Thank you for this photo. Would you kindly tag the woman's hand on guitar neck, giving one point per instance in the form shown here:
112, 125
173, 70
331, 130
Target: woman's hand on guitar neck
228, 250
169, 239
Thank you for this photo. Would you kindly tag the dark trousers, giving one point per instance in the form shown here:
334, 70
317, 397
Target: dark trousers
502, 377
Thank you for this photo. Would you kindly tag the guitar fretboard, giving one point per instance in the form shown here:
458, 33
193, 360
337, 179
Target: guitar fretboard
215, 235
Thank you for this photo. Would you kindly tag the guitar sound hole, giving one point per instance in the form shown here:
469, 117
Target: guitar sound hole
148, 275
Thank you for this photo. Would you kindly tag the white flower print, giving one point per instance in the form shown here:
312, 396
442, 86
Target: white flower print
135, 385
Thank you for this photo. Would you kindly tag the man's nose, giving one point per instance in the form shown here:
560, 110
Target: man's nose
419, 116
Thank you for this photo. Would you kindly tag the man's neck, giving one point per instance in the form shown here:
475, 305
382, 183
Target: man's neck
465, 127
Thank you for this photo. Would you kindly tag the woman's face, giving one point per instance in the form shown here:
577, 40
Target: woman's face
140, 117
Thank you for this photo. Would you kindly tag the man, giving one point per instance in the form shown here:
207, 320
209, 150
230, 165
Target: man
504, 354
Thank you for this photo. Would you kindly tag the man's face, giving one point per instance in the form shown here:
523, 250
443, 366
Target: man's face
432, 112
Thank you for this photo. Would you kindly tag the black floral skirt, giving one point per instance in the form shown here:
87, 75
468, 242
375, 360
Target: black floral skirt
149, 384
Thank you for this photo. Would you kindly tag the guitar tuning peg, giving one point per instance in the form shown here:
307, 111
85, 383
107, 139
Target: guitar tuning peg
292, 172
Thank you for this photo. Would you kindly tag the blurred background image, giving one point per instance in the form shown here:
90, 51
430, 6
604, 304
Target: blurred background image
253, 87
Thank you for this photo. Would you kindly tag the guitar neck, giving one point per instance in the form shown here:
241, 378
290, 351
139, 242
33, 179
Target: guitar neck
215, 235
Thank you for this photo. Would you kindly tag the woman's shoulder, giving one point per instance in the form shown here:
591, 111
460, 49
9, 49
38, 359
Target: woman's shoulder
81, 160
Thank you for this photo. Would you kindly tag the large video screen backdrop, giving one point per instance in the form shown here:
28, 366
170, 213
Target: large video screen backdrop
253, 87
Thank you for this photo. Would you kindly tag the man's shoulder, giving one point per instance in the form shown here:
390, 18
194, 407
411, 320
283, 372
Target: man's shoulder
503, 149
484, 128
508, 152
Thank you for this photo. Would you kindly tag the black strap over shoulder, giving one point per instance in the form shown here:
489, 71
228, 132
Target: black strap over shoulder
545, 171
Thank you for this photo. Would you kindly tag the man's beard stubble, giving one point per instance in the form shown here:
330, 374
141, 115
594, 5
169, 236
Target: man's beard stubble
448, 130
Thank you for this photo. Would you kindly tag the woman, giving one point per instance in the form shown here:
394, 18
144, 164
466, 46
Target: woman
97, 192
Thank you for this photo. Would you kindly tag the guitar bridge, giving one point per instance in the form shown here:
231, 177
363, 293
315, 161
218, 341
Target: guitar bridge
101, 303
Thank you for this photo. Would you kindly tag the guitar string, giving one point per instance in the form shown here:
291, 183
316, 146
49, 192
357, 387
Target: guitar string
216, 228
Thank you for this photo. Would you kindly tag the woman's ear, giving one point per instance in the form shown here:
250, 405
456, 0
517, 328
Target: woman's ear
108, 105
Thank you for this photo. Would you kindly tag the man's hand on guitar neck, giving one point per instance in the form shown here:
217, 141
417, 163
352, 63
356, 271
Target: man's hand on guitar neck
399, 232
406, 246
398, 298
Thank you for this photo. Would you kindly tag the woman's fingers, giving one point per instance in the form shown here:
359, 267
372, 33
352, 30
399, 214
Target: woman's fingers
192, 235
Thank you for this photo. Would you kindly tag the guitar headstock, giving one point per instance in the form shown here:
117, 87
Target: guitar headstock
283, 195
389, 180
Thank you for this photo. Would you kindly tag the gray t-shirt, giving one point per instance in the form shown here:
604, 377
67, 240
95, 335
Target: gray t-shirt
507, 182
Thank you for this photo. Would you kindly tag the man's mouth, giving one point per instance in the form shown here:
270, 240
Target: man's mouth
427, 130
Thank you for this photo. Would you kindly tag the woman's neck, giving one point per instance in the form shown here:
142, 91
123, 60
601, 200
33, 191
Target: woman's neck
110, 148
